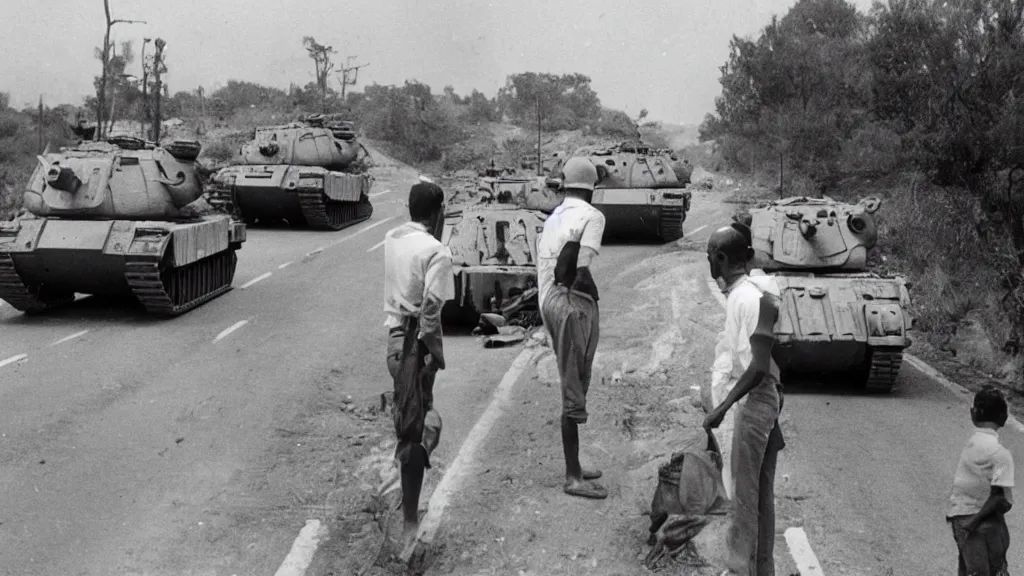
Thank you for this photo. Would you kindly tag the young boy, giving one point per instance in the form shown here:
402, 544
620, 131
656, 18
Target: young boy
981, 491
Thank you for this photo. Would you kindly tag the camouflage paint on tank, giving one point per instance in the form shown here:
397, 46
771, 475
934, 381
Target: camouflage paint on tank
122, 217
837, 317
301, 172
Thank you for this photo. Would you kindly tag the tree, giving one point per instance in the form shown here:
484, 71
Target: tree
107, 49
349, 75
321, 56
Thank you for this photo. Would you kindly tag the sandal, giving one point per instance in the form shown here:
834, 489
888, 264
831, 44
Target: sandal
586, 489
591, 474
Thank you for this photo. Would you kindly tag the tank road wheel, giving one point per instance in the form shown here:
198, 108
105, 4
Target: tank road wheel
670, 223
28, 299
883, 366
168, 290
322, 213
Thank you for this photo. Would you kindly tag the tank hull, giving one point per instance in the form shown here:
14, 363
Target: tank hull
843, 324
643, 213
308, 196
494, 256
169, 267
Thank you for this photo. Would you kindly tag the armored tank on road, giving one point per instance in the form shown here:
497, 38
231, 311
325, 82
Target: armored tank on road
494, 248
836, 317
639, 192
118, 217
303, 172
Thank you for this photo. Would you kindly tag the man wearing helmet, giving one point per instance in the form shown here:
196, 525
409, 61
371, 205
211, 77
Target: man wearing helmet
568, 302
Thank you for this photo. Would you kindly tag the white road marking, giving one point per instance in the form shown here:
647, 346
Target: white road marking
800, 549
375, 194
695, 230
367, 229
13, 359
317, 251
283, 266
460, 467
303, 549
72, 337
953, 387
255, 280
377, 245
229, 330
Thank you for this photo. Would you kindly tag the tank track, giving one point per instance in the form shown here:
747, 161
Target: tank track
883, 369
167, 291
670, 223
20, 296
322, 213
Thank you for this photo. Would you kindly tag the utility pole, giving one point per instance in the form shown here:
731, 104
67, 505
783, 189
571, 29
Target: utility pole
539, 160
158, 69
101, 101
40, 123
345, 80
145, 88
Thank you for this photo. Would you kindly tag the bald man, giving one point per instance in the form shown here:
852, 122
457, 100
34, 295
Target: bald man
746, 377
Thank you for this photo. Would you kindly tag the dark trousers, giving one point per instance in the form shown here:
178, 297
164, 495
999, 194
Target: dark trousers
983, 551
414, 386
755, 448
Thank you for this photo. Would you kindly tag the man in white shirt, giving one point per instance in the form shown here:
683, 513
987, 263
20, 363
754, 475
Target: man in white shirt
418, 280
568, 303
746, 376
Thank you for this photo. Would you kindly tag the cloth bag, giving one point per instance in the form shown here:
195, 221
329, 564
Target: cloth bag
690, 488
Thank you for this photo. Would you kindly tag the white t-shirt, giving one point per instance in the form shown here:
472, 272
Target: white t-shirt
984, 463
574, 220
742, 310
415, 264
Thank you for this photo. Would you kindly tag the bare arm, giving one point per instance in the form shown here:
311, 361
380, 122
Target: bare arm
998, 503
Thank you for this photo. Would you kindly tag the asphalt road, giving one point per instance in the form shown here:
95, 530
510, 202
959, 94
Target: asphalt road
870, 476
120, 433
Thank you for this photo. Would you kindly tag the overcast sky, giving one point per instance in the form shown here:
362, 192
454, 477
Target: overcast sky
663, 55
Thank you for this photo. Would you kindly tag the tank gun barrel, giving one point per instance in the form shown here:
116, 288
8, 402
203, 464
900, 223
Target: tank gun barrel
60, 177
808, 229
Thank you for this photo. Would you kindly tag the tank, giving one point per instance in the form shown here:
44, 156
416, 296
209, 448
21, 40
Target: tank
837, 317
639, 192
118, 217
306, 173
493, 240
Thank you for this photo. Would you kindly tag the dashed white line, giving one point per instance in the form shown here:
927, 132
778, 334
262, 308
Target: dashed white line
72, 337
377, 245
224, 333
303, 549
367, 229
283, 266
13, 359
255, 280
460, 468
317, 251
695, 230
800, 549
375, 194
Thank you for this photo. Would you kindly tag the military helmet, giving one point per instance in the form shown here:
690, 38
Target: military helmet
579, 172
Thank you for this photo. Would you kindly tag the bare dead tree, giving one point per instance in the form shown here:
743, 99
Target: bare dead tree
101, 99
321, 56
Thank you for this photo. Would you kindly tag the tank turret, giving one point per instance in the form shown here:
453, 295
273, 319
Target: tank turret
813, 234
306, 173
639, 191
118, 217
837, 317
